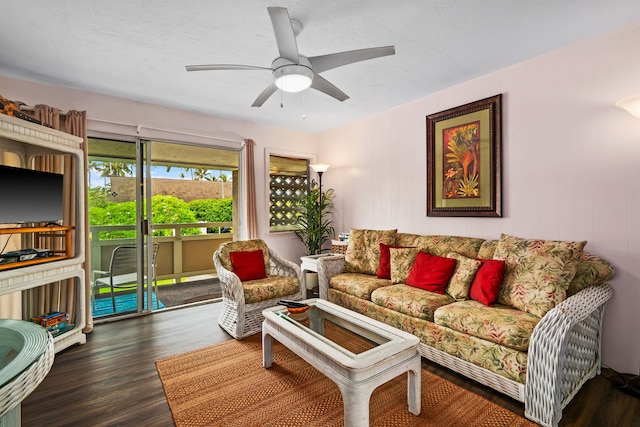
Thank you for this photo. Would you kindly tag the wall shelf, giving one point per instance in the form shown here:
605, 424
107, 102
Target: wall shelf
27, 140
49, 231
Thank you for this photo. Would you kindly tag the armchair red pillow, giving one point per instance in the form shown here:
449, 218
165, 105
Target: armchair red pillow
248, 265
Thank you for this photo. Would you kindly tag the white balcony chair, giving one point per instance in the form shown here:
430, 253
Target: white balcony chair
123, 273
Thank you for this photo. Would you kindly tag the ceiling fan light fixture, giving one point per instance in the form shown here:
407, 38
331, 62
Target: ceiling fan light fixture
293, 78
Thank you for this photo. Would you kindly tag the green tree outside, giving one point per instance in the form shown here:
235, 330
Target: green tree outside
165, 210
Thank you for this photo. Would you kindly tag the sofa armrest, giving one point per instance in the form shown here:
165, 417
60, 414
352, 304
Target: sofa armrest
328, 267
564, 353
284, 267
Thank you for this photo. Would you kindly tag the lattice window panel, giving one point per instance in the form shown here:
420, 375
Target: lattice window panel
284, 191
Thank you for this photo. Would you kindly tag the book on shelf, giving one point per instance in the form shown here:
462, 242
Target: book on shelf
51, 319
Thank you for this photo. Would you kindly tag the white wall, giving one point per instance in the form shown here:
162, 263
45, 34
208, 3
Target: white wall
571, 166
570, 161
109, 114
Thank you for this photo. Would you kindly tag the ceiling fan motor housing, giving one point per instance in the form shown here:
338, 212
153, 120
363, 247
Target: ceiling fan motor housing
292, 77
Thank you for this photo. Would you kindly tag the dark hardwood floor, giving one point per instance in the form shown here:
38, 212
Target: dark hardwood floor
112, 379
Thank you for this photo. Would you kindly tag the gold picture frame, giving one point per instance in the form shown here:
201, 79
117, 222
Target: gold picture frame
464, 160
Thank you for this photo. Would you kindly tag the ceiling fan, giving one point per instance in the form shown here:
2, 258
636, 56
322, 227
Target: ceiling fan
293, 72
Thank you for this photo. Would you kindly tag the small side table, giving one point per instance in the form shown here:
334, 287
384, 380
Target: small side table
26, 356
310, 264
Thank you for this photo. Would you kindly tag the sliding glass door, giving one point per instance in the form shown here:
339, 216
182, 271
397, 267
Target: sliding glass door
169, 204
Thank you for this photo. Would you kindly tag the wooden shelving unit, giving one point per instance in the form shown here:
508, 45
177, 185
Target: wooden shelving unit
49, 231
28, 140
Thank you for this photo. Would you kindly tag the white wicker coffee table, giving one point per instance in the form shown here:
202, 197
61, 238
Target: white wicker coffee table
357, 375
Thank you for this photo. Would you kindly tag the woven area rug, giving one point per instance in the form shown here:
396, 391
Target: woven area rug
226, 385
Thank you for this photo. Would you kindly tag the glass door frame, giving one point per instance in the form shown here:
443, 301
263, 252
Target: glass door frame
144, 225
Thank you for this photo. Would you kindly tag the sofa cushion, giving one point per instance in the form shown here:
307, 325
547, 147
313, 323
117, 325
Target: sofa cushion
537, 272
496, 358
441, 245
410, 301
357, 284
363, 250
384, 267
487, 281
591, 270
402, 260
269, 288
248, 265
500, 324
463, 275
431, 272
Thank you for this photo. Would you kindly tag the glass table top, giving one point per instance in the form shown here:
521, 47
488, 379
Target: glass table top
353, 335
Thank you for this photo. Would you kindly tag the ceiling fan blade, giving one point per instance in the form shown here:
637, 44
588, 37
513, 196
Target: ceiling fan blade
264, 95
333, 60
223, 67
285, 38
323, 85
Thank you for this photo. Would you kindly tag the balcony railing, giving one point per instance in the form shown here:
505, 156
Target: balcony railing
180, 256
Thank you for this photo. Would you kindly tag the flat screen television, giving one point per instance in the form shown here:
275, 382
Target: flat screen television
30, 196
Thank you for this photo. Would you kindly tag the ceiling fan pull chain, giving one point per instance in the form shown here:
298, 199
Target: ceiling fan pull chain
304, 116
281, 95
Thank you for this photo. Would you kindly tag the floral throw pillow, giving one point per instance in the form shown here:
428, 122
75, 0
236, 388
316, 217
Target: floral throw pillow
402, 260
537, 272
591, 270
384, 269
460, 283
363, 250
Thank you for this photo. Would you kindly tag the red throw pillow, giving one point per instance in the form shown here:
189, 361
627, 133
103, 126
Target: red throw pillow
486, 284
384, 267
248, 265
431, 272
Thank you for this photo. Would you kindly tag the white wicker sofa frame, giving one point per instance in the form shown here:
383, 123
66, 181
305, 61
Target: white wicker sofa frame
241, 319
564, 351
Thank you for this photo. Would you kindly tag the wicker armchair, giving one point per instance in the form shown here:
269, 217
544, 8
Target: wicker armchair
243, 302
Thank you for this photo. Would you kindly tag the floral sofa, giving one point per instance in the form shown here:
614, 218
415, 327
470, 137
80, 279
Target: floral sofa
530, 329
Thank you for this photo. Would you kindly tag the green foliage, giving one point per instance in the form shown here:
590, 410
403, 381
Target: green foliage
112, 213
314, 227
98, 196
212, 210
165, 210
172, 210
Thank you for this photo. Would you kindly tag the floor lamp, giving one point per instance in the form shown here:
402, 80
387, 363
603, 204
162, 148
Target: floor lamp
629, 382
320, 168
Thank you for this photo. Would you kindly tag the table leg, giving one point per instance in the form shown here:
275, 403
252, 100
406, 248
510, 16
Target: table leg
414, 386
356, 406
267, 348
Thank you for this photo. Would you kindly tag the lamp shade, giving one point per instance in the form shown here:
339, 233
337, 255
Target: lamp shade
632, 105
319, 167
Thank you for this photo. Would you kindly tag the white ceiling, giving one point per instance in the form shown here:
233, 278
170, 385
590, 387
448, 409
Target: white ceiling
137, 49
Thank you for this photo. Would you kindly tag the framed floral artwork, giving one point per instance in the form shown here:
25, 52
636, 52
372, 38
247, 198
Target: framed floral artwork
463, 160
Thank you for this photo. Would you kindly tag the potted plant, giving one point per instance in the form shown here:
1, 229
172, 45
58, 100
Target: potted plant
314, 227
